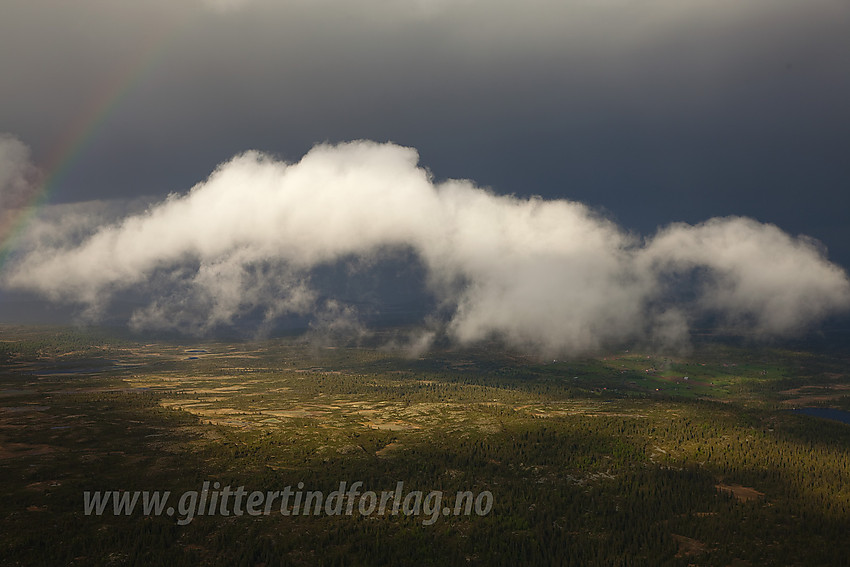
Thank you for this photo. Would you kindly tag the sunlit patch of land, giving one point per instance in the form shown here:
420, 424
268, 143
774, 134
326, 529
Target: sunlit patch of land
741, 493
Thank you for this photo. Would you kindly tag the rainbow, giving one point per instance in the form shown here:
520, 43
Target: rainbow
78, 135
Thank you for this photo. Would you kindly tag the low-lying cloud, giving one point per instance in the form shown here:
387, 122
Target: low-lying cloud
550, 276
19, 179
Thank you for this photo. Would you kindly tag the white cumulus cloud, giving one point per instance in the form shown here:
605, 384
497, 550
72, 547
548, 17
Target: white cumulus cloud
545, 275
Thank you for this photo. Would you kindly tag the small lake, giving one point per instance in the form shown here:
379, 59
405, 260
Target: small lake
70, 371
74, 367
826, 413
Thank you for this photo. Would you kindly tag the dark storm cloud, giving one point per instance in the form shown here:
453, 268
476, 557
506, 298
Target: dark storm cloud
601, 80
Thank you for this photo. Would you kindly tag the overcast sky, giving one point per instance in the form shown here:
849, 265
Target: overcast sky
650, 112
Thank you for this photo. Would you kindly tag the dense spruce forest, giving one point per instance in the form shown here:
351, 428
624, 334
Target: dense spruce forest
623, 458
